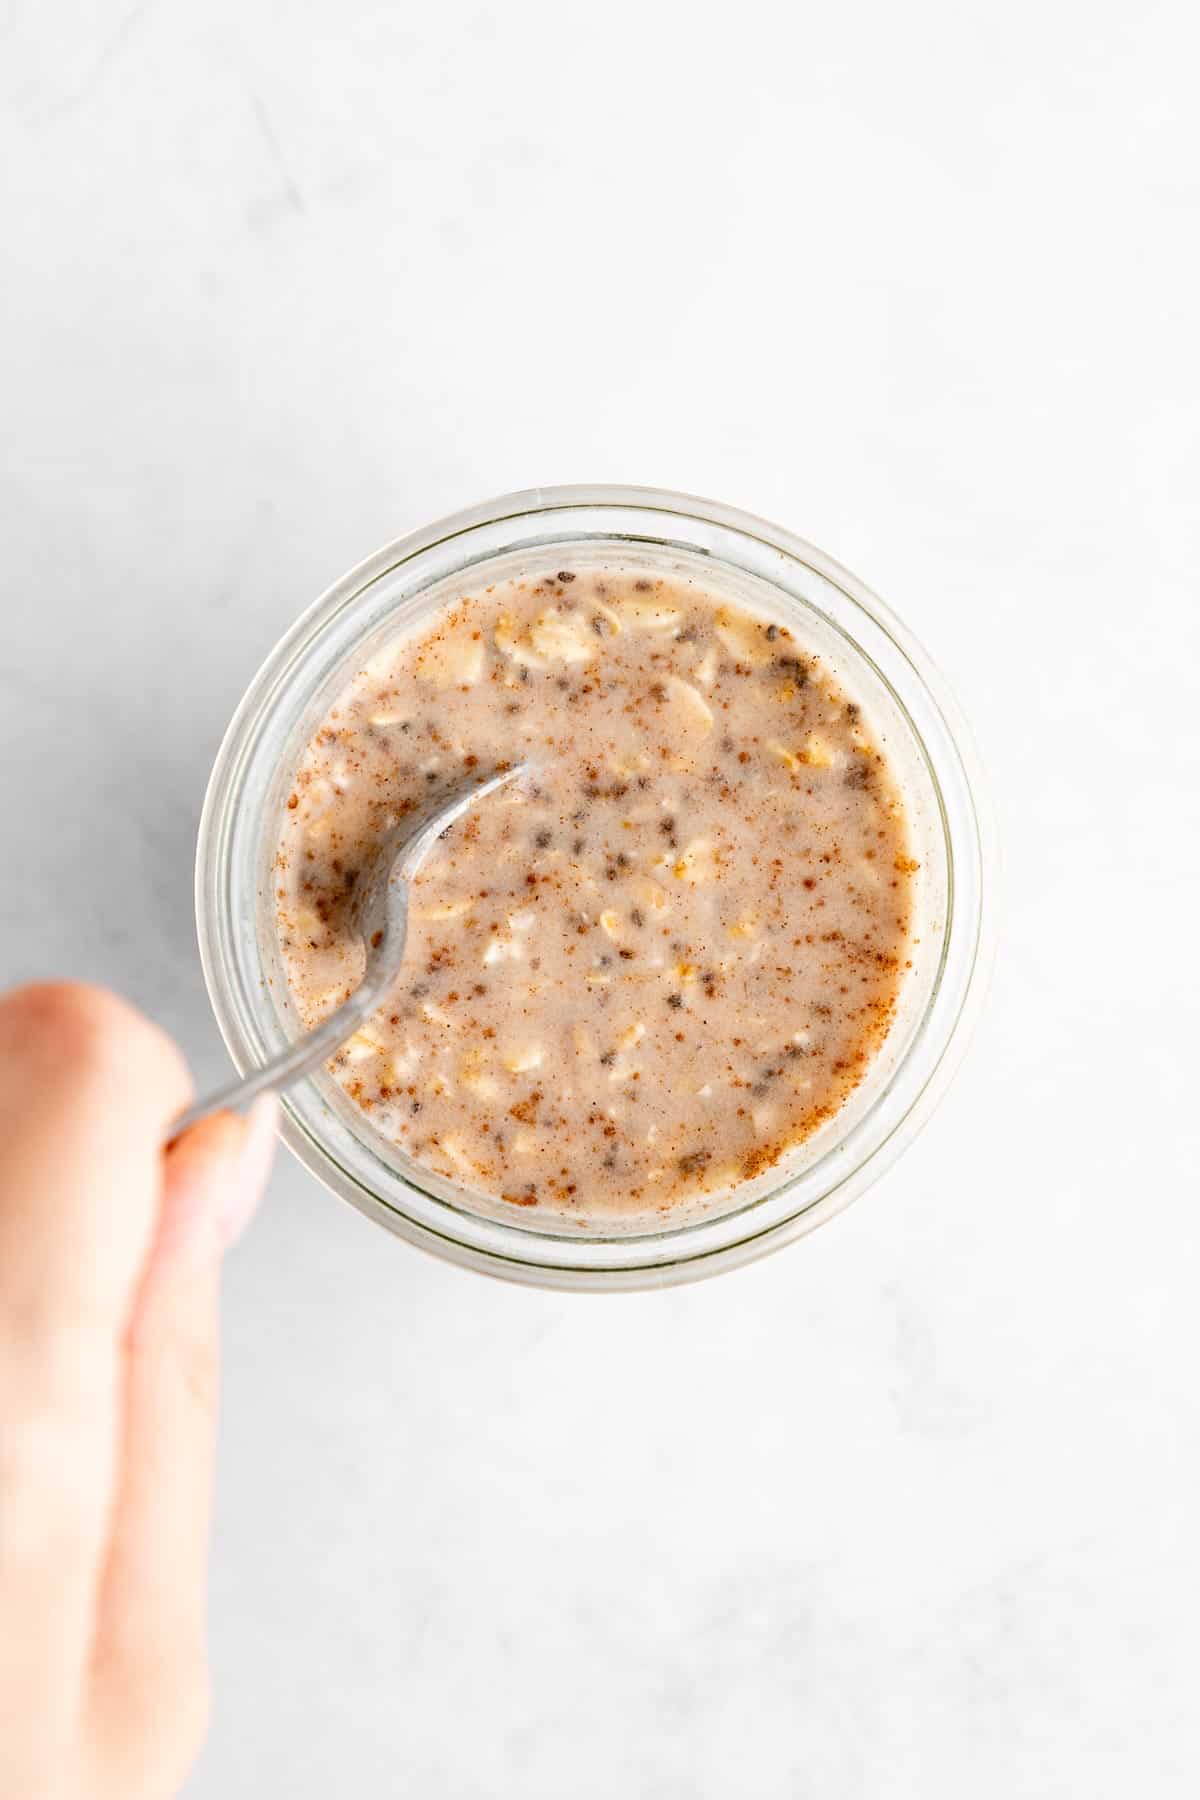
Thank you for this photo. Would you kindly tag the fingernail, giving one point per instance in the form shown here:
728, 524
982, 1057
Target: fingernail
249, 1179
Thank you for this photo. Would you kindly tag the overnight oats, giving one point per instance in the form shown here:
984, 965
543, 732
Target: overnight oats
650, 968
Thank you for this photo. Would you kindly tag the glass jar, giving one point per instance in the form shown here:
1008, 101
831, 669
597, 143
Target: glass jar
741, 557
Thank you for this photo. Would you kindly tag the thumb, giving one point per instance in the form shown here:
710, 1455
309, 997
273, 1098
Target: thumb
150, 1643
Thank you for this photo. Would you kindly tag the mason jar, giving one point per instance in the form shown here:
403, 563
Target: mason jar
737, 556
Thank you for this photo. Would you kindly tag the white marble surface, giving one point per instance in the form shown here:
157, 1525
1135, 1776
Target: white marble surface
910, 1509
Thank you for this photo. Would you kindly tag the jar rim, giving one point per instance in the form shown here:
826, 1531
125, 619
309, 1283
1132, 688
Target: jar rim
668, 1254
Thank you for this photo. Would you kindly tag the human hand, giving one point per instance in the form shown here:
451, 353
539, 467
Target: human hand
109, 1257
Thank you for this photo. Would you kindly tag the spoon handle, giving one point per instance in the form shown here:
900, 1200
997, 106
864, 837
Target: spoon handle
302, 1057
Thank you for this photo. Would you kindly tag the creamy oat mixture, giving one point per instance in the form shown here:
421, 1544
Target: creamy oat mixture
654, 965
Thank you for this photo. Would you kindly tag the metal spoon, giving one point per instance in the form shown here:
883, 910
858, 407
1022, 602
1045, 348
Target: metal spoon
381, 908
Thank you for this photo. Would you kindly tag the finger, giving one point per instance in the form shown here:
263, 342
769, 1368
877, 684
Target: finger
87, 1088
149, 1654
87, 1092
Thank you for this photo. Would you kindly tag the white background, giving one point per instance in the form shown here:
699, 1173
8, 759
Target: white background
911, 1508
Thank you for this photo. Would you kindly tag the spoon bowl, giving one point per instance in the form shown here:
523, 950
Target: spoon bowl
381, 918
